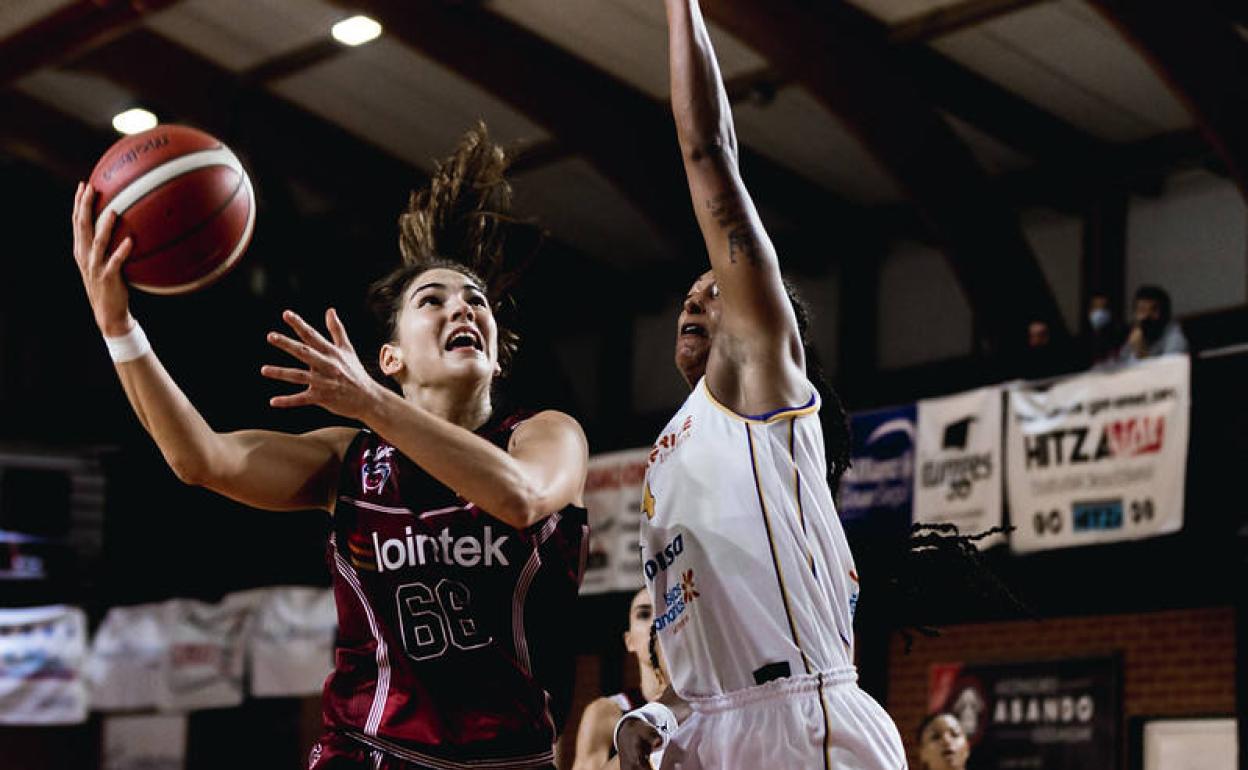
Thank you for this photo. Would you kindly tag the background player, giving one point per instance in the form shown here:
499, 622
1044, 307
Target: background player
755, 614
593, 737
456, 538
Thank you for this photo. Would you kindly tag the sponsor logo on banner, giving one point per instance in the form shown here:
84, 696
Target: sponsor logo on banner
1061, 713
958, 457
1100, 457
880, 481
613, 497
42, 651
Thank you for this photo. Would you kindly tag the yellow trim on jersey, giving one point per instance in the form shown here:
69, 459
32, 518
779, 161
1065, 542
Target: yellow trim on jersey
775, 559
796, 411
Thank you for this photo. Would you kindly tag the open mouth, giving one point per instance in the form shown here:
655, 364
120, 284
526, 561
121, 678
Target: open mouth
694, 330
465, 337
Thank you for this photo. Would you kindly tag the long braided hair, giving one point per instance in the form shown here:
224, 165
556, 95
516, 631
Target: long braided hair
898, 573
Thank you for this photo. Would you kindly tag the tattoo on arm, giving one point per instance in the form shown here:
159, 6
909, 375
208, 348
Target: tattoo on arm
729, 213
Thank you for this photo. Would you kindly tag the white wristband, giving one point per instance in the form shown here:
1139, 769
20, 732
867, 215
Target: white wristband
655, 714
129, 346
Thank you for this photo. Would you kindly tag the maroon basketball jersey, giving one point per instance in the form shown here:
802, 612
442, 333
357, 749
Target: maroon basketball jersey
454, 628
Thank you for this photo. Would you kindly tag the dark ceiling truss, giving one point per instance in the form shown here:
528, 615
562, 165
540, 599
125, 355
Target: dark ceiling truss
1199, 54
853, 70
63, 34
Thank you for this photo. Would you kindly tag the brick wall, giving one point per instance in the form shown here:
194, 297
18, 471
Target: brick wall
1175, 663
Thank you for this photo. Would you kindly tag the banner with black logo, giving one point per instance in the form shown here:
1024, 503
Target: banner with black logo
1054, 714
880, 482
613, 498
957, 477
1101, 457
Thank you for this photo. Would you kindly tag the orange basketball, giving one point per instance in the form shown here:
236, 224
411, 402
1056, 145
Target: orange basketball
185, 201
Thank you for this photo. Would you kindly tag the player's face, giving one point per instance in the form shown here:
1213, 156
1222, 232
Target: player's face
640, 616
695, 329
445, 331
943, 746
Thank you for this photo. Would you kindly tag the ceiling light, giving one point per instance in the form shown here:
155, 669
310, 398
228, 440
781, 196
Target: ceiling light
134, 120
356, 30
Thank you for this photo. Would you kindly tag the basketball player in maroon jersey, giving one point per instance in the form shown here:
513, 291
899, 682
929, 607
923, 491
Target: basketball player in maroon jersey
458, 539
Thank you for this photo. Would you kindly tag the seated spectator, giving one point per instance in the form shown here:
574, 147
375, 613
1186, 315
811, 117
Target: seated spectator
1042, 356
942, 743
1153, 332
1105, 332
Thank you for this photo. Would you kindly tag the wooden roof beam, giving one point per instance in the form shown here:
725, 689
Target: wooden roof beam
857, 76
1198, 53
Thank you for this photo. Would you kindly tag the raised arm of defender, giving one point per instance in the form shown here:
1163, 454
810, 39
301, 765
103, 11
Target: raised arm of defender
757, 364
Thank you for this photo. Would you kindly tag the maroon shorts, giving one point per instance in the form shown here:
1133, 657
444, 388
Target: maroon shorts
335, 751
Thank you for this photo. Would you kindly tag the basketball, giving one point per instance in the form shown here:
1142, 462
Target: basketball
184, 199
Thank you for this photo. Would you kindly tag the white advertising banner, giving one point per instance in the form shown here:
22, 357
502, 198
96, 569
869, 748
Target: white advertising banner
1099, 458
127, 658
204, 667
958, 474
145, 742
42, 650
292, 642
613, 498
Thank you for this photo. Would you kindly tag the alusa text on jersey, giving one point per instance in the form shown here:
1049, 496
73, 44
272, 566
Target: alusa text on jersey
444, 548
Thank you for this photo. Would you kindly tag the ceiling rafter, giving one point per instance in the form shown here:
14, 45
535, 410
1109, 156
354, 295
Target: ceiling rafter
857, 77
1203, 59
250, 119
65, 33
948, 19
624, 133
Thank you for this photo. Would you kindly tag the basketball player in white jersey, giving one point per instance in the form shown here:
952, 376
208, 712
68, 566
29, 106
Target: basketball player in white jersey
752, 580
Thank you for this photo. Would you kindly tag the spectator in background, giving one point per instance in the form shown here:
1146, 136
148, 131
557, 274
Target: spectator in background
942, 743
1041, 355
1153, 332
1105, 333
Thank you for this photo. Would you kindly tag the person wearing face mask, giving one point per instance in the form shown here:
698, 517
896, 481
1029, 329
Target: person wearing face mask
942, 743
1104, 335
1153, 332
457, 531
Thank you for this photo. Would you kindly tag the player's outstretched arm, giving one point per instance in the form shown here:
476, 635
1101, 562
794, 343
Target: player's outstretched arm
760, 366
264, 469
594, 734
542, 470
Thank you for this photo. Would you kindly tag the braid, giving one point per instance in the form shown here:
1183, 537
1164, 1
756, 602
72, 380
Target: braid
832, 415
937, 560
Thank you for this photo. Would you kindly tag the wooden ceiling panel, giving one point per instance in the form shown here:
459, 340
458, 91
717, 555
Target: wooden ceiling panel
1063, 58
16, 15
579, 206
894, 12
403, 102
239, 34
92, 99
797, 131
627, 38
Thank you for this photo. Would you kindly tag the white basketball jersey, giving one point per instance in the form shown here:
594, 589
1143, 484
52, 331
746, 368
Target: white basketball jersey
743, 553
